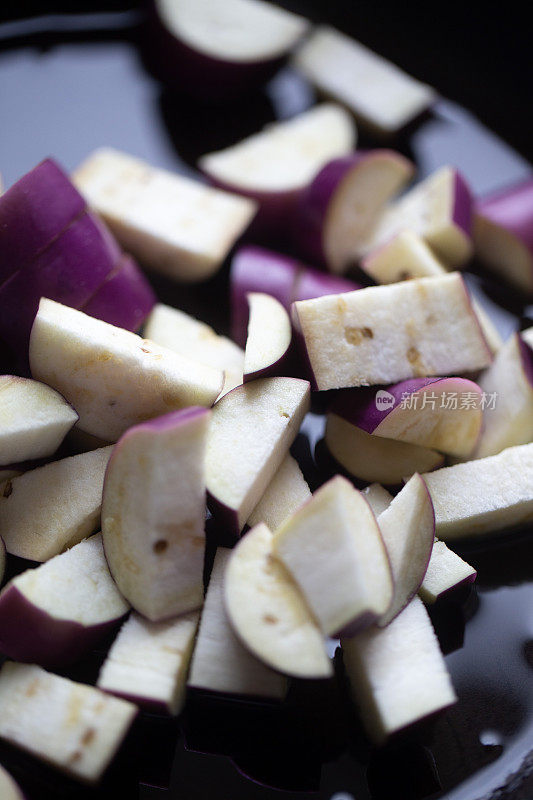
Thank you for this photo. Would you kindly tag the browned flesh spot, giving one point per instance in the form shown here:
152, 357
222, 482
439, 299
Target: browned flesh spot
94, 360
88, 736
76, 755
415, 359
404, 275
270, 619
84, 395
197, 541
269, 566
185, 526
75, 706
33, 688
357, 335
130, 564
411, 328
147, 347
175, 651
8, 488
422, 291
160, 546
341, 304
430, 319
172, 531
171, 399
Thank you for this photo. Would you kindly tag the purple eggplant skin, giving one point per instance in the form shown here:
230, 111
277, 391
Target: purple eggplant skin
457, 591
272, 221
511, 209
463, 203
124, 299
205, 78
255, 269
281, 367
69, 270
278, 368
357, 625
284, 364
314, 202
33, 636
313, 283
163, 423
526, 356
358, 406
33, 212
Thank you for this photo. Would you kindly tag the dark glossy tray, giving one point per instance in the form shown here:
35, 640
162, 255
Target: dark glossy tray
85, 85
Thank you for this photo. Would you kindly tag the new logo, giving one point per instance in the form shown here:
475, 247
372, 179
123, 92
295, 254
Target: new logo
384, 400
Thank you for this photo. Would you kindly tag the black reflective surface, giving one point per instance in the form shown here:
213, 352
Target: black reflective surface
66, 94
